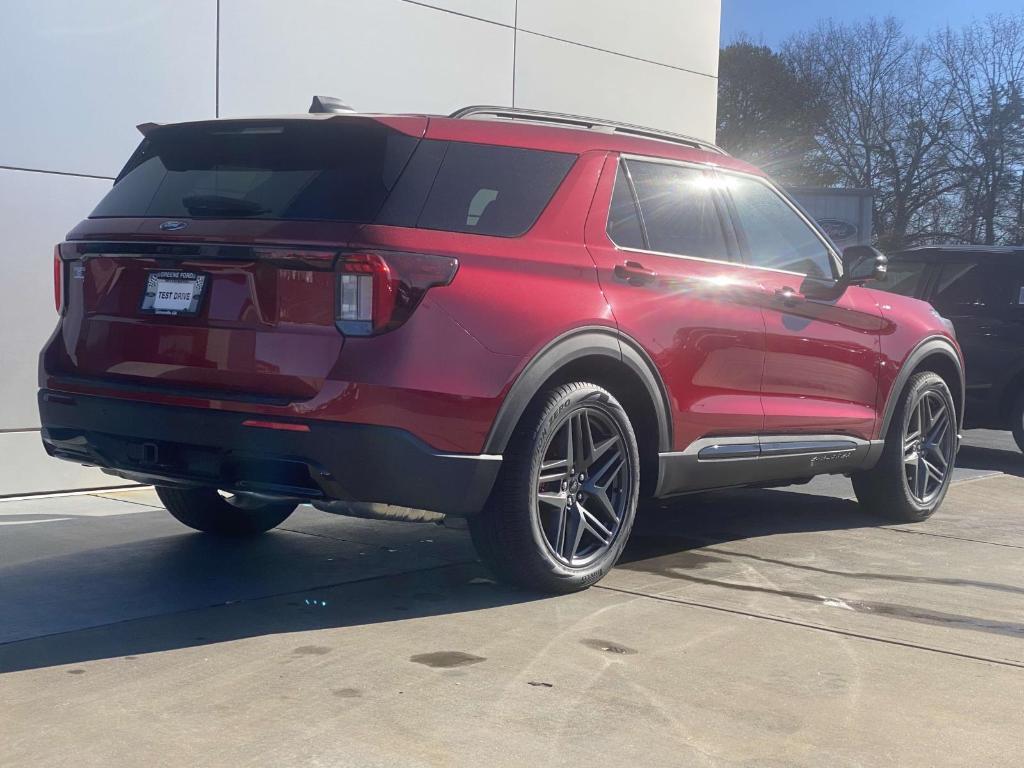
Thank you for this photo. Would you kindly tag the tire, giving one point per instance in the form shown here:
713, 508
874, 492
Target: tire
545, 528
904, 486
204, 509
1017, 421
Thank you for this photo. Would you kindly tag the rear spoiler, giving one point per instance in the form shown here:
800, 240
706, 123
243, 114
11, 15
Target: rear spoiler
411, 125
320, 105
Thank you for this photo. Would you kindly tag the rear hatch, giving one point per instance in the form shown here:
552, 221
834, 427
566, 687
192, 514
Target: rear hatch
209, 268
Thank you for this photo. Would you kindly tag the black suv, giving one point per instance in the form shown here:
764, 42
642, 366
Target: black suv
981, 289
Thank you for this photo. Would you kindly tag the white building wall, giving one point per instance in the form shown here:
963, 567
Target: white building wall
80, 74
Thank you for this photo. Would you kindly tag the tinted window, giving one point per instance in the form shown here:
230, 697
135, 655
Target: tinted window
972, 288
776, 235
339, 170
623, 218
679, 211
903, 277
491, 190
404, 204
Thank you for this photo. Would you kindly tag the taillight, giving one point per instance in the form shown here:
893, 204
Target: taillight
378, 290
58, 280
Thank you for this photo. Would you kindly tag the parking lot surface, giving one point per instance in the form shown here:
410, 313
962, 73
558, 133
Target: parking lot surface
755, 628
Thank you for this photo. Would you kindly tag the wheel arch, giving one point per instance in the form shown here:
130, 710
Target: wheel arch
936, 354
607, 358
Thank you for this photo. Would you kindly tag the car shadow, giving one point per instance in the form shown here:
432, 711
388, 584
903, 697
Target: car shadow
187, 590
994, 459
700, 520
192, 590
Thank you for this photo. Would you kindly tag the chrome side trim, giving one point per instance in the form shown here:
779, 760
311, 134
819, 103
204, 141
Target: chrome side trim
719, 452
793, 448
735, 461
777, 444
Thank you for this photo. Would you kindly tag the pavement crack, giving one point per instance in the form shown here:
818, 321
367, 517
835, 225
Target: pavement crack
814, 627
950, 536
870, 576
126, 501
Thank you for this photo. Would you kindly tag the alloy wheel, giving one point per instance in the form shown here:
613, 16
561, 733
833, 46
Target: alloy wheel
928, 447
584, 486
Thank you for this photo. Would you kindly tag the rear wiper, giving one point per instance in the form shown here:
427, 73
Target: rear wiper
214, 205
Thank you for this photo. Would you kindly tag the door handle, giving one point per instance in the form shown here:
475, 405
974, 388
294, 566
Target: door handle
634, 273
788, 296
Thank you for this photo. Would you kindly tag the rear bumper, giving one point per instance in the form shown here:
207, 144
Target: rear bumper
169, 445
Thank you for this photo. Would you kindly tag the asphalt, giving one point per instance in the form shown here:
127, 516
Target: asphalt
750, 628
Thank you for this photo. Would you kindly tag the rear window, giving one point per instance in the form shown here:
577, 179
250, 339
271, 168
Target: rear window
346, 170
973, 289
491, 190
338, 170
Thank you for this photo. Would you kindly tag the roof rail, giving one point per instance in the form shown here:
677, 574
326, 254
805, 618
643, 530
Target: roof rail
590, 123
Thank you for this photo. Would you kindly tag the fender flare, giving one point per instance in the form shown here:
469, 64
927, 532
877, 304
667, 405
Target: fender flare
574, 345
930, 346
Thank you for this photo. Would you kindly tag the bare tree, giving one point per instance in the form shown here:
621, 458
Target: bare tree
983, 66
888, 119
935, 130
914, 166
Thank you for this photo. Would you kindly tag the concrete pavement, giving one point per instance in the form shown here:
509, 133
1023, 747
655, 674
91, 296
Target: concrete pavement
768, 628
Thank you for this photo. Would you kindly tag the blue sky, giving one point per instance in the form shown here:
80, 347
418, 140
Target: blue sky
772, 21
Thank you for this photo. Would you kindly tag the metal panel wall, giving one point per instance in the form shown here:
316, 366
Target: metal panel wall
78, 76
384, 56
682, 34
559, 76
845, 214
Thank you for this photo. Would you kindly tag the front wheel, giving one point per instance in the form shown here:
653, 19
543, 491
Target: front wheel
204, 509
912, 477
563, 506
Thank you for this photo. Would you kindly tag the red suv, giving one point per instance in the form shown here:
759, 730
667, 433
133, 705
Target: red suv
527, 319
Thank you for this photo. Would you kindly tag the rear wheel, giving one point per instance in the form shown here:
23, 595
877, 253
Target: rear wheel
1018, 421
911, 479
563, 506
206, 510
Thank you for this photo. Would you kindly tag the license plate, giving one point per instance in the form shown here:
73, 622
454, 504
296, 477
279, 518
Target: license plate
173, 293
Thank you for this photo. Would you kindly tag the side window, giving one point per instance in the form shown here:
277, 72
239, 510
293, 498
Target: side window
623, 218
904, 277
776, 235
971, 289
492, 190
679, 210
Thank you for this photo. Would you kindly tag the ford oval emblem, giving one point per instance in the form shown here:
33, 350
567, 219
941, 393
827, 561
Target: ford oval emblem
173, 226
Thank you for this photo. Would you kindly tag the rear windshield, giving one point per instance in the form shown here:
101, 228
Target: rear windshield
337, 170
341, 170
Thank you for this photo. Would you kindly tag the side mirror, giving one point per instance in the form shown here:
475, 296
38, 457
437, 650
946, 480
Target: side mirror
862, 263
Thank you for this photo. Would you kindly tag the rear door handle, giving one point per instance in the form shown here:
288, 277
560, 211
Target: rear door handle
634, 273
